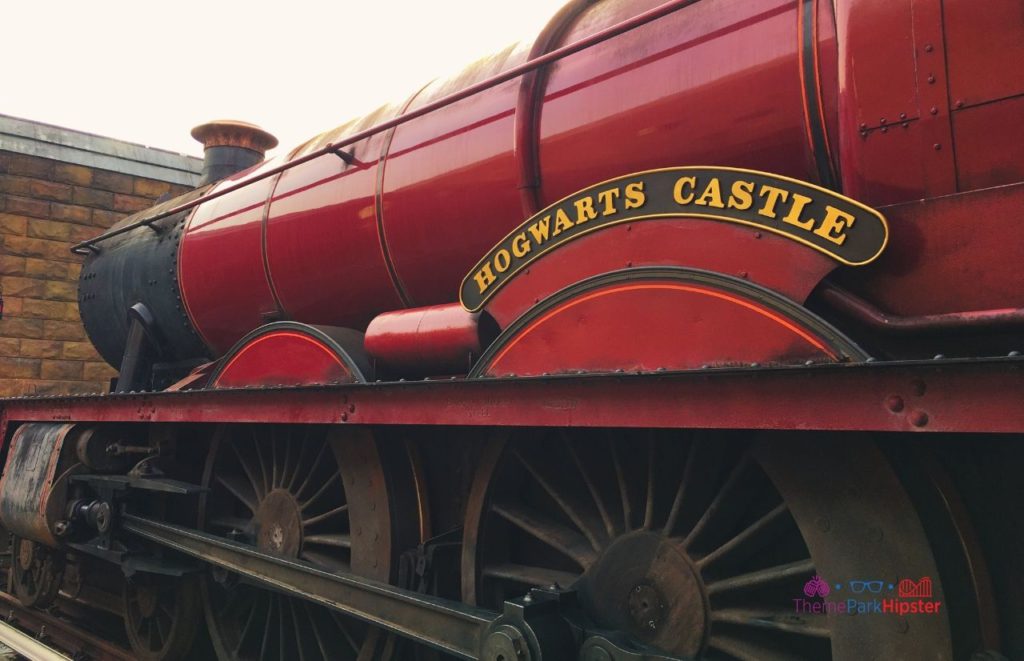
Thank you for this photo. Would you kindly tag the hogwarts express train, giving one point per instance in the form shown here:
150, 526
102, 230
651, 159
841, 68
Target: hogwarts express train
685, 330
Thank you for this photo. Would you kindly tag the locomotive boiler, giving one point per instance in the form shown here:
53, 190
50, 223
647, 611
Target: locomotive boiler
684, 330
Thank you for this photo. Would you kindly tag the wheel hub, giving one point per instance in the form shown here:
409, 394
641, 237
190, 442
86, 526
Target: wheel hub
25, 554
279, 524
147, 600
645, 584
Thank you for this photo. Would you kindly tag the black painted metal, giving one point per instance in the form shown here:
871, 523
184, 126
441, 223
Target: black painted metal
224, 160
140, 267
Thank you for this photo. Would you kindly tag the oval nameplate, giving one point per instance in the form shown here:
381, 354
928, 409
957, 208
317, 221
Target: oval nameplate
844, 229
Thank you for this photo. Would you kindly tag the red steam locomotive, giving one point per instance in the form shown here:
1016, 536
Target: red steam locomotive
684, 331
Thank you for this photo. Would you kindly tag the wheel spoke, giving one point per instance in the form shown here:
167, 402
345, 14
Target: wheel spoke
569, 542
300, 639
257, 485
677, 503
560, 500
340, 541
266, 627
649, 507
723, 502
781, 621
752, 537
320, 641
527, 575
762, 577
335, 477
233, 485
620, 478
303, 447
309, 474
591, 487
337, 511
339, 620
263, 464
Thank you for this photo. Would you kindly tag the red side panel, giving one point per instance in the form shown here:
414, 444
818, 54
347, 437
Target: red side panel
224, 286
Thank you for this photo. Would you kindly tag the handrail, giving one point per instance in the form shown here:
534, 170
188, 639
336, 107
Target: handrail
334, 148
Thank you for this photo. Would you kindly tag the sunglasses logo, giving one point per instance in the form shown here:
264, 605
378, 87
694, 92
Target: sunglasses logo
873, 587
816, 587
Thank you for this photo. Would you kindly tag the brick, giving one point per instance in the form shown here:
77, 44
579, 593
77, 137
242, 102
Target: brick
71, 213
98, 372
130, 203
24, 287
14, 185
78, 351
63, 330
12, 305
12, 265
68, 370
21, 327
48, 229
106, 218
79, 233
61, 291
90, 197
56, 387
15, 387
40, 348
72, 174
60, 310
47, 269
11, 224
31, 166
19, 368
50, 190
27, 206
74, 271
112, 181
29, 247
150, 188
10, 346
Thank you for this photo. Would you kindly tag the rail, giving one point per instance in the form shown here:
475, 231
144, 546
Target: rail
637, 21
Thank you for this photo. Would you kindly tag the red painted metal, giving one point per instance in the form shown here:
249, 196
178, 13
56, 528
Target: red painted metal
985, 157
984, 46
703, 244
947, 255
283, 358
435, 340
287, 353
937, 396
653, 324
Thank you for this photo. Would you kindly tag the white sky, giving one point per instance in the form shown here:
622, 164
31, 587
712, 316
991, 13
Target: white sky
148, 72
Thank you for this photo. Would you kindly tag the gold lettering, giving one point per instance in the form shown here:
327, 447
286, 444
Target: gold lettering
502, 260
484, 278
800, 202
539, 230
834, 224
677, 190
635, 196
585, 210
712, 195
608, 197
521, 245
562, 222
741, 195
774, 195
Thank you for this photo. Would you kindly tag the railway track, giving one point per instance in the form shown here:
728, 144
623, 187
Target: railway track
41, 635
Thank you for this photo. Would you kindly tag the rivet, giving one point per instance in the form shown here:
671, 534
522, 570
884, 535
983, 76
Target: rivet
823, 523
931, 79
894, 403
882, 121
959, 103
918, 387
743, 274
903, 115
919, 418
885, 129
928, 48
937, 146
863, 127
757, 235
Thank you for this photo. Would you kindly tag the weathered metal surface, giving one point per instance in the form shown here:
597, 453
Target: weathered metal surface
943, 395
32, 488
